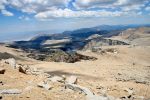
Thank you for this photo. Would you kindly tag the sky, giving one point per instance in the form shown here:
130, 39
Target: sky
60, 15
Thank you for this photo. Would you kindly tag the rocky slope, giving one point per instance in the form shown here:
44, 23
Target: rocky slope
59, 56
134, 33
127, 71
135, 36
96, 41
32, 84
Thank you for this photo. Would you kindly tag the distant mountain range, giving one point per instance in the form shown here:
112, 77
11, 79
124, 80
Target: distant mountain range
77, 39
105, 30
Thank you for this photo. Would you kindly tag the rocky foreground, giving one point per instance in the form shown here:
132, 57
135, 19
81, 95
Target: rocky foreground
117, 74
18, 86
40, 81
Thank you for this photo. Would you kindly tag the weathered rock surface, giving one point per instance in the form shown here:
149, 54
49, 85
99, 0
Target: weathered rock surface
23, 69
56, 79
35, 71
104, 51
136, 77
10, 91
28, 70
11, 62
130, 91
2, 70
44, 85
71, 80
99, 41
89, 95
79, 88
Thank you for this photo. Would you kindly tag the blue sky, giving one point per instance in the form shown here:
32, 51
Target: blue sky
60, 15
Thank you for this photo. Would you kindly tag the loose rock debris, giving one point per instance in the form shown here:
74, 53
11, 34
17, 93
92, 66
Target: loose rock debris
70, 82
10, 91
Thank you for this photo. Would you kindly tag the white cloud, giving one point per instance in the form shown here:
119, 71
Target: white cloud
130, 4
84, 4
2, 7
2, 4
67, 13
48, 9
3, 10
6, 13
132, 7
35, 6
121, 2
147, 8
24, 18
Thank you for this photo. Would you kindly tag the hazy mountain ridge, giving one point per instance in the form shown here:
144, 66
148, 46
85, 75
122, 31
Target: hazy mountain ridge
77, 38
